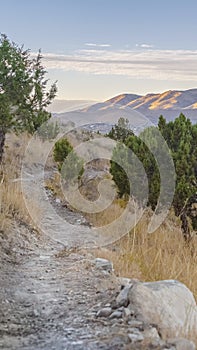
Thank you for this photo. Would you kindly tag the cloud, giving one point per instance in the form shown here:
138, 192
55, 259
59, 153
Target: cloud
180, 65
97, 45
145, 46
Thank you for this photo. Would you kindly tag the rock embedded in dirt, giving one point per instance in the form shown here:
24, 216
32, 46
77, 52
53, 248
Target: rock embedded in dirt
104, 312
136, 336
135, 324
124, 281
123, 298
116, 314
127, 312
104, 264
151, 333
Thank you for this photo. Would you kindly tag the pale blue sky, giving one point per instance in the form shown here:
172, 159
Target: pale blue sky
99, 48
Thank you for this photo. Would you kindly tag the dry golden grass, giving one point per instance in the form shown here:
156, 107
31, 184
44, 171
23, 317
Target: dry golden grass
54, 185
12, 204
105, 217
161, 255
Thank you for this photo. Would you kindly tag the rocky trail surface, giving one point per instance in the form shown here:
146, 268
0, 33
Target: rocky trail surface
51, 300
64, 300
47, 302
57, 296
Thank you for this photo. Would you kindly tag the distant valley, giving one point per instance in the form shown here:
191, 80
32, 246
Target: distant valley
61, 106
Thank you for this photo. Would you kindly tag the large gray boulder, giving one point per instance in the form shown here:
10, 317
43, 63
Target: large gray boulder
169, 305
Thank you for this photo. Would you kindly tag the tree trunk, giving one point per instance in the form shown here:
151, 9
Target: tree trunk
2, 143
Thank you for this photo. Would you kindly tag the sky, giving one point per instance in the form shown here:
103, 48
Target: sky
97, 49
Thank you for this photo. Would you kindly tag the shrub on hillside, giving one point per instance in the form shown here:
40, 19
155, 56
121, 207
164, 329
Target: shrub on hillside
61, 150
69, 163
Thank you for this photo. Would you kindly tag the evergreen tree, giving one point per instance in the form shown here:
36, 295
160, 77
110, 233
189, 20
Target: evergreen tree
23, 90
119, 169
181, 138
120, 131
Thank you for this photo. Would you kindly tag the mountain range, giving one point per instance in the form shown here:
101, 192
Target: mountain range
140, 110
168, 100
169, 103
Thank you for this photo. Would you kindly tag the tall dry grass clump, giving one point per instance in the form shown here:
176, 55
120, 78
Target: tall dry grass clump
12, 204
161, 255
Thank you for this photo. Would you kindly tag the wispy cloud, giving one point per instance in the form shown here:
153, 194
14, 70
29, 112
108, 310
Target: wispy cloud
145, 46
97, 45
149, 64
